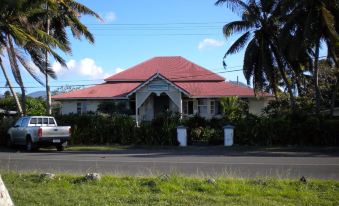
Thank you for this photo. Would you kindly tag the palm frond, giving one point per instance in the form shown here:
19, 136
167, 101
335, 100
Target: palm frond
234, 5
236, 27
29, 67
239, 44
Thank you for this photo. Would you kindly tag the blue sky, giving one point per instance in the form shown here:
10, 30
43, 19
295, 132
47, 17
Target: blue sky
135, 31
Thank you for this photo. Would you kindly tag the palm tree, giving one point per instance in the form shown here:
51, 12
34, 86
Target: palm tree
59, 16
15, 30
260, 26
22, 24
315, 22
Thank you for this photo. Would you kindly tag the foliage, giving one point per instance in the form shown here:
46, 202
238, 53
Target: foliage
5, 124
277, 128
233, 108
102, 130
23, 31
282, 40
34, 106
160, 131
287, 129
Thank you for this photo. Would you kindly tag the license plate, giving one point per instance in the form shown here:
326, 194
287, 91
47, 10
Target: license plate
56, 140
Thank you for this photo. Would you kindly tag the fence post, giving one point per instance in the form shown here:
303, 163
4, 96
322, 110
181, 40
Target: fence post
228, 135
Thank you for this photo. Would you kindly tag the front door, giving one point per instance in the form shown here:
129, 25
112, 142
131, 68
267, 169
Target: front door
161, 104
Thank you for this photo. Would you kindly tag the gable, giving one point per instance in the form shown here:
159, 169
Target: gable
157, 84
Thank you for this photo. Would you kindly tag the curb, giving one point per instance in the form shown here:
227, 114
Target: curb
5, 199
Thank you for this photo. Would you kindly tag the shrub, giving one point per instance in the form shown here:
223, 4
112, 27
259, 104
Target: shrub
5, 124
160, 131
96, 129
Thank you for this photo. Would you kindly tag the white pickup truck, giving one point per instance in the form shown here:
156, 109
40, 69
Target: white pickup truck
38, 131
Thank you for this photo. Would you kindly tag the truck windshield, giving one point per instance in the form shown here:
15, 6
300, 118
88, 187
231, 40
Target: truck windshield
18, 123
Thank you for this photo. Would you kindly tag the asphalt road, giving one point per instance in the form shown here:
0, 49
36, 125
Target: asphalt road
206, 161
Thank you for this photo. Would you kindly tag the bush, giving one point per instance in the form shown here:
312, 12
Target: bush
96, 129
5, 124
160, 131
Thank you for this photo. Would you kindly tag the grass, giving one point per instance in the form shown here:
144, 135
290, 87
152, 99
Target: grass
31, 189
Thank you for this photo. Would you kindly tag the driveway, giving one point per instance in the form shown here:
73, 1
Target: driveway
202, 161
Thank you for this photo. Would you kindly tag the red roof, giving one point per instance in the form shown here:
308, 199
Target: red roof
215, 89
191, 78
173, 68
107, 90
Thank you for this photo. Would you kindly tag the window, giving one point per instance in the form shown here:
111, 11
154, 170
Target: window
45, 120
81, 107
39, 120
51, 121
33, 121
212, 107
202, 106
18, 123
187, 107
24, 122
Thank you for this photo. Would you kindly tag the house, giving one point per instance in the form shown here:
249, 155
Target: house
162, 83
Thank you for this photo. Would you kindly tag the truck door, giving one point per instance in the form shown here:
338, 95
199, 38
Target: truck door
15, 130
21, 131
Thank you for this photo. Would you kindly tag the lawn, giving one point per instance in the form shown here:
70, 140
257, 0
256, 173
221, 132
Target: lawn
31, 189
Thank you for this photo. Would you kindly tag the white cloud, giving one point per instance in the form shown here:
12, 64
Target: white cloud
208, 42
85, 67
118, 70
109, 17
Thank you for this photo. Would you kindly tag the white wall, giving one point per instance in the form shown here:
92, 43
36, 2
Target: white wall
70, 106
256, 105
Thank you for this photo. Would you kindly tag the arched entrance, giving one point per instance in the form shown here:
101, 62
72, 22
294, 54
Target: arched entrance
161, 104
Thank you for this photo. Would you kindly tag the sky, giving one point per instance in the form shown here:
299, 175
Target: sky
135, 31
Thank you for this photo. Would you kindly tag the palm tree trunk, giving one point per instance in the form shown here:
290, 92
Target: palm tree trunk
316, 77
12, 57
283, 75
10, 85
48, 90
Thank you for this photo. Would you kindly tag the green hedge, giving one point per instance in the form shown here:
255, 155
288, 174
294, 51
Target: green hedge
5, 124
283, 130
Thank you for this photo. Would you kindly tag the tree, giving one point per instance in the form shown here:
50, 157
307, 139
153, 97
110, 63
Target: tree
17, 29
314, 22
260, 27
233, 108
23, 24
60, 15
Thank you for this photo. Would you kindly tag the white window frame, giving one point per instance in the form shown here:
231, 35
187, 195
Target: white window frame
185, 106
212, 106
203, 104
81, 107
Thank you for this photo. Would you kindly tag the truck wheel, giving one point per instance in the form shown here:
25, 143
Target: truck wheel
60, 147
29, 145
9, 142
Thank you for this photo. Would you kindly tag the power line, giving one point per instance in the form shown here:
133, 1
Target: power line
163, 23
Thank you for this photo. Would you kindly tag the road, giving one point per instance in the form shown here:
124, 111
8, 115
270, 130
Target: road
206, 161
